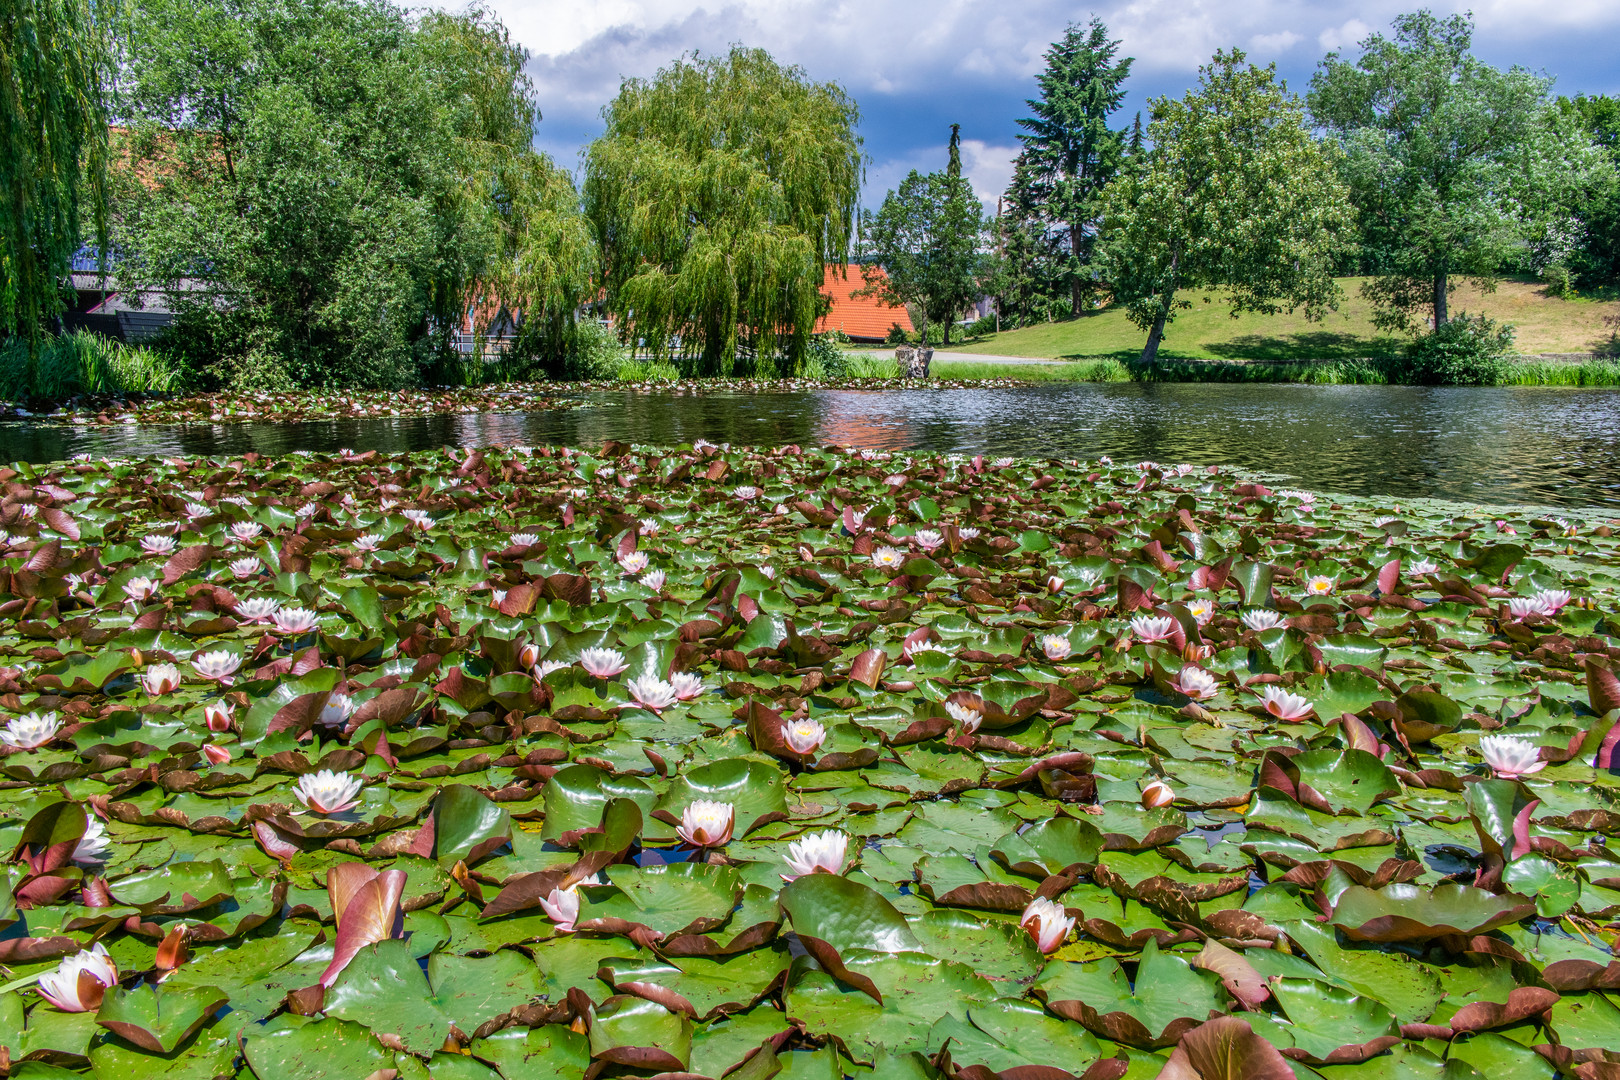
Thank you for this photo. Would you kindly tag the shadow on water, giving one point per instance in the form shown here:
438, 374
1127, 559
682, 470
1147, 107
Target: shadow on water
1504, 445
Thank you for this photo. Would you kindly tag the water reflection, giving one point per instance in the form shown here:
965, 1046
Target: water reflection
1551, 446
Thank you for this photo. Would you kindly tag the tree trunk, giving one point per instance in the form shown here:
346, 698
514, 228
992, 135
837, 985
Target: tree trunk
1150, 352
947, 334
1439, 299
1075, 287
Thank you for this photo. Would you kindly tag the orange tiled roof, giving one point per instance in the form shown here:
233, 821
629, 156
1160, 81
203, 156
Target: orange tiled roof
860, 317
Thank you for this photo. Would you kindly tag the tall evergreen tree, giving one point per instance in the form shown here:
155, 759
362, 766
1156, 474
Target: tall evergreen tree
1071, 151
953, 167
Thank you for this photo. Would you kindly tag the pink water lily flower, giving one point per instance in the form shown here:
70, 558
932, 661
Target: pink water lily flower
1510, 757
328, 792
1048, 923
1319, 585
246, 530
562, 905
1258, 619
929, 540
688, 685
157, 545
1422, 567
1553, 600
295, 620
1056, 647
1156, 794
888, 558
244, 568
80, 981
140, 588
529, 655
817, 853
1195, 682
216, 755
967, 532
707, 823
1284, 705
602, 663
218, 716
1201, 610
804, 736
1523, 607
654, 580
218, 665
652, 693
160, 679
1153, 627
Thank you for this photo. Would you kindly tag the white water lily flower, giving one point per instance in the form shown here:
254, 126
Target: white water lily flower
307, 510
650, 526
1258, 619
1521, 607
160, 679
328, 792
1553, 600
687, 685
969, 717
804, 736
420, 518
546, 667
888, 558
219, 664
140, 588
257, 609
295, 620
337, 710
157, 545
651, 692
1056, 647
1319, 585
246, 530
61, 987
1284, 705
367, 542
93, 845
602, 663
1156, 794
928, 539
1510, 756
819, 852
633, 562
968, 532
523, 540
30, 731
1195, 682
1201, 610
1047, 922
1422, 567
196, 510
1153, 628
562, 905
654, 580
707, 823
746, 492
245, 567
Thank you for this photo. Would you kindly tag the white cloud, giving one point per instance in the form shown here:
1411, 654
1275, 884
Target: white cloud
988, 168
1264, 45
1343, 36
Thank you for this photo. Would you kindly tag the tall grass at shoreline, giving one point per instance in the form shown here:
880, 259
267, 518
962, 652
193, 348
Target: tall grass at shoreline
81, 363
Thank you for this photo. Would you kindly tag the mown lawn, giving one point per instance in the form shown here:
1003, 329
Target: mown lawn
1207, 332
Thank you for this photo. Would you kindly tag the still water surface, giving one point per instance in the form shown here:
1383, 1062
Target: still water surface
1505, 445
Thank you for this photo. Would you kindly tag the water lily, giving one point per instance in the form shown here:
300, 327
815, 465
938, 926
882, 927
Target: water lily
707, 823
1522, 607
337, 710
1510, 757
140, 588
157, 545
246, 530
1153, 627
930, 540
93, 846
1201, 610
1319, 585
1258, 619
367, 542
969, 717
1195, 682
1157, 793
295, 620
817, 853
1056, 647
420, 518
633, 562
1284, 705
562, 905
1553, 600
257, 609
30, 731
216, 755
245, 567
687, 685
524, 540
546, 667
1047, 922
218, 665
1422, 567
64, 987
218, 716
654, 580
888, 558
602, 663
804, 736
651, 692
328, 792
196, 511
968, 532
650, 526
746, 492
160, 679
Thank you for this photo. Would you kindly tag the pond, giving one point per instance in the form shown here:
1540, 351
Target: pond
1502, 445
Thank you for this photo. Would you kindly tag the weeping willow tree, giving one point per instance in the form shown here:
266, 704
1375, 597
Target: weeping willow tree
717, 193
53, 148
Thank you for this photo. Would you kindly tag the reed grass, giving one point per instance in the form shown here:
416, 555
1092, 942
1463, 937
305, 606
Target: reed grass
81, 363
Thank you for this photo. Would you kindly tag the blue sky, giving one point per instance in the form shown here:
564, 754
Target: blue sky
915, 68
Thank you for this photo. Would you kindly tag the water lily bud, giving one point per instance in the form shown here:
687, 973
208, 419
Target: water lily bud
216, 755
1157, 794
529, 655
218, 716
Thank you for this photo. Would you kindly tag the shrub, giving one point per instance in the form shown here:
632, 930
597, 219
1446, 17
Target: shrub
1560, 282
825, 358
1470, 350
82, 363
597, 352
981, 327
897, 336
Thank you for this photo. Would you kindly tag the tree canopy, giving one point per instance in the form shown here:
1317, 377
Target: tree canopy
53, 143
1452, 164
718, 191
345, 181
1234, 193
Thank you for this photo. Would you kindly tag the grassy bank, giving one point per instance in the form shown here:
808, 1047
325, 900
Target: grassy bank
1544, 324
59, 368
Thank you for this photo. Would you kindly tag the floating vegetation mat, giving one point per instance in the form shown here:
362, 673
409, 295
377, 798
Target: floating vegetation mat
315, 405
535, 763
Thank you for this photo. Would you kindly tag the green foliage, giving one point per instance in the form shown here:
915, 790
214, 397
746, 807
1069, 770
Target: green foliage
53, 149
826, 358
81, 363
929, 238
1560, 282
1453, 165
1236, 192
1465, 351
350, 182
1069, 156
717, 192
1596, 258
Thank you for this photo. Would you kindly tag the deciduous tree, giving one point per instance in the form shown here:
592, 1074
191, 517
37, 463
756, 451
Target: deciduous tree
928, 236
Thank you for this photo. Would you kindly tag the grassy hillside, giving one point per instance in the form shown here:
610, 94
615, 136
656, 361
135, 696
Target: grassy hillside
1545, 325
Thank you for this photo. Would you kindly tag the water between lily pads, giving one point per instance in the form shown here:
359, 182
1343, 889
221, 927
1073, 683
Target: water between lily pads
1547, 446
